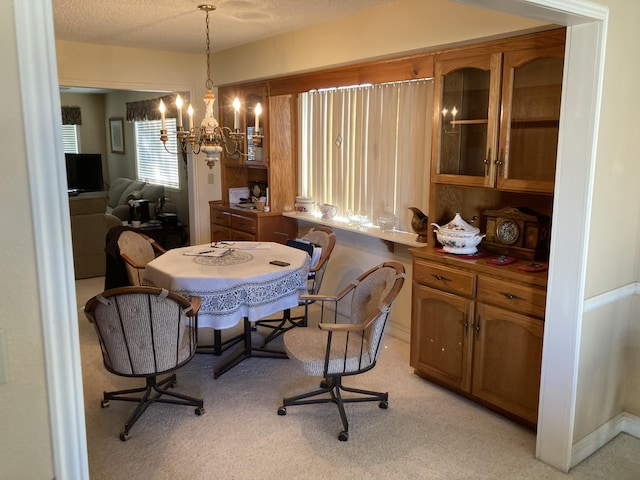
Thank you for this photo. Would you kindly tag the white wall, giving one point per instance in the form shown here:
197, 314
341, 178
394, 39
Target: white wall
354, 254
399, 27
609, 375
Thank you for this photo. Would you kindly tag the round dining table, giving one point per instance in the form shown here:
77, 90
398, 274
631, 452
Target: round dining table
236, 280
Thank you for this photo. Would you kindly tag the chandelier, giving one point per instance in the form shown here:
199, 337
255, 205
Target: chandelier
209, 138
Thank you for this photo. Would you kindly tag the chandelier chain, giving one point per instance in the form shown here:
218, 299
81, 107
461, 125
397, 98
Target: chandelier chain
209, 84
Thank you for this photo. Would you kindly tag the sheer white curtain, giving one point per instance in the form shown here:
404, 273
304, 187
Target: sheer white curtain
363, 148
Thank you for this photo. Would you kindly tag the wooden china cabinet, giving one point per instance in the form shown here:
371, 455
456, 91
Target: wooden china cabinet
477, 328
497, 115
270, 161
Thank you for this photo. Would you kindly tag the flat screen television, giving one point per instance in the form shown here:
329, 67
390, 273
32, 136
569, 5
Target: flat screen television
84, 172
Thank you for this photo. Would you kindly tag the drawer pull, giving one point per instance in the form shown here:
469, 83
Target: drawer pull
511, 296
440, 277
477, 327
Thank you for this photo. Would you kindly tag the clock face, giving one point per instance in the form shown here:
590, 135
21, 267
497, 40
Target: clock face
507, 232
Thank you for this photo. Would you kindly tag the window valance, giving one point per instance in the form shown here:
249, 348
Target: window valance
71, 116
149, 109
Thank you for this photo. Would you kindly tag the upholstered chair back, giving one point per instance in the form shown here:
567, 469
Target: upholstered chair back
143, 330
139, 249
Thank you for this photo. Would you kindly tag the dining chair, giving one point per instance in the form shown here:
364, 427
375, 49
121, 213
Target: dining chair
137, 249
145, 332
325, 239
348, 345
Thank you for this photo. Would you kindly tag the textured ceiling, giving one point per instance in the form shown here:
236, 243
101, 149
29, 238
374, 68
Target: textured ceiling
178, 25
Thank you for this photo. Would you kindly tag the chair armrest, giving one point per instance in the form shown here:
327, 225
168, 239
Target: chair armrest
131, 262
158, 248
341, 327
318, 298
196, 302
332, 298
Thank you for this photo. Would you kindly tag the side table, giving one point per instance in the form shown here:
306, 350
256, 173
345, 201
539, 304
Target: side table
167, 236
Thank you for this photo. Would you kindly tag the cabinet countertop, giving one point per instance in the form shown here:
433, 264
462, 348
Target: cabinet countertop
247, 212
480, 265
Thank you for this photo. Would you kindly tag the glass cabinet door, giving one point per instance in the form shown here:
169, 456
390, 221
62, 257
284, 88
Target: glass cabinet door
465, 120
531, 92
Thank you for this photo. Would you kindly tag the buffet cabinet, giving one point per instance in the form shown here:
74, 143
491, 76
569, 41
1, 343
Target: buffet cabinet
234, 223
477, 329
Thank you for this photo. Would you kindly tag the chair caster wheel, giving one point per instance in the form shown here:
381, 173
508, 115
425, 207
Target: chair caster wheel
199, 411
104, 403
173, 384
124, 436
344, 436
254, 328
384, 405
324, 384
282, 411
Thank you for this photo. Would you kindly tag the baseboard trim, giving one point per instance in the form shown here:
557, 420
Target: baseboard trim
399, 332
622, 423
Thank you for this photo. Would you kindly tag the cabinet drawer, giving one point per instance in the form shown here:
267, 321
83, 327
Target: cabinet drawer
220, 234
220, 218
242, 236
519, 298
244, 224
444, 278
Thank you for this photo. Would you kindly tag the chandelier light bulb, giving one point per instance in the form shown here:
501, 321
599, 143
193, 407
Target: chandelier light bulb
258, 111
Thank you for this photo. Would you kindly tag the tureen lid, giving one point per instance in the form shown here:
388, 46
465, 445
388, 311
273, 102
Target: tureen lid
459, 225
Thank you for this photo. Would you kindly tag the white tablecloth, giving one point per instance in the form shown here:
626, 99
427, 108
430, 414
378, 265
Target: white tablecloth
240, 284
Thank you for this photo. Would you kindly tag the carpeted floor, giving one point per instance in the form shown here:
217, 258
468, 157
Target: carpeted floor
427, 432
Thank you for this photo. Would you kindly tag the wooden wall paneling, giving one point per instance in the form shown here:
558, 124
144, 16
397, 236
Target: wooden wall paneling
283, 151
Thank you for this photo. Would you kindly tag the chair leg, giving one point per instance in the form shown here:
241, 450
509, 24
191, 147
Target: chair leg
334, 387
154, 391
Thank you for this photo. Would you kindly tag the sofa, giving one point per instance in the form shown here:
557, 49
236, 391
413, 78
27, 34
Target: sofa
89, 226
122, 190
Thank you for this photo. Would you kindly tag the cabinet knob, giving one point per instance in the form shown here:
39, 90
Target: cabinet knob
440, 277
511, 296
486, 162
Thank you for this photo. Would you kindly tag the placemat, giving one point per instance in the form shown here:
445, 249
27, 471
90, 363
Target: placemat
501, 260
233, 258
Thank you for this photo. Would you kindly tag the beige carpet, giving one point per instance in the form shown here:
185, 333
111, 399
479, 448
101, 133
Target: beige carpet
427, 432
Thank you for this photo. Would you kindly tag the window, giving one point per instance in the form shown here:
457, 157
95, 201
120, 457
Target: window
70, 139
154, 163
367, 147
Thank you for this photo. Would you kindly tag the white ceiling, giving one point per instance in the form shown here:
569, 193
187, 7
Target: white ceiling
178, 25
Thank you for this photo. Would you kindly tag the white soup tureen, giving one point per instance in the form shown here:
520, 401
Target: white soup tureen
458, 236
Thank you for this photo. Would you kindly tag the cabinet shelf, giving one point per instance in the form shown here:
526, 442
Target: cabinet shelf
535, 123
478, 121
402, 238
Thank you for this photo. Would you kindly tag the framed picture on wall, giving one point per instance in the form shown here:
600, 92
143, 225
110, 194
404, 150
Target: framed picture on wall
116, 127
